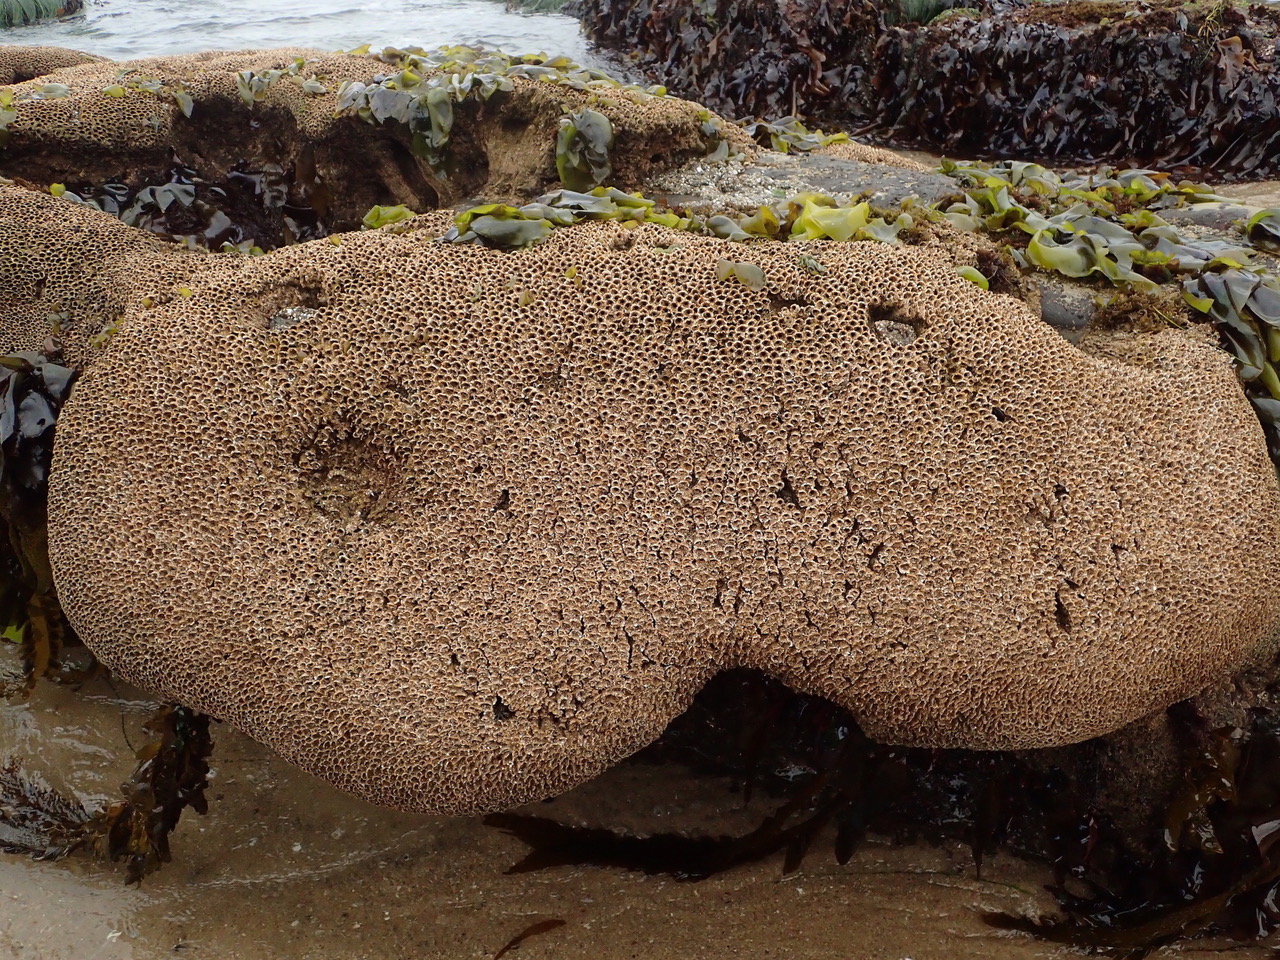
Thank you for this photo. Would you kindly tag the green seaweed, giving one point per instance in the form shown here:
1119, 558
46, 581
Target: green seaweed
1245, 308
127, 81
1107, 226
748, 274
809, 216
8, 113
789, 133
1263, 229
510, 233
582, 150
17, 13
381, 216
973, 275
252, 85
1104, 225
821, 218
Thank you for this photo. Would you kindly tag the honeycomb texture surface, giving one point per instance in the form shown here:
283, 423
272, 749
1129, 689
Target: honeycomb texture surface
866, 153
19, 63
456, 528
502, 148
71, 272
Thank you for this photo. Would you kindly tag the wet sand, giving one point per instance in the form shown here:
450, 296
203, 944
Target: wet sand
1264, 193
285, 866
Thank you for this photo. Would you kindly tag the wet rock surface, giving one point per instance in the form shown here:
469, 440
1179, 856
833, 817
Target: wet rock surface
1065, 309
699, 185
283, 865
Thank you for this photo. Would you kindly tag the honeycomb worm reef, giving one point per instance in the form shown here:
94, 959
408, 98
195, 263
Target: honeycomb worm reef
456, 528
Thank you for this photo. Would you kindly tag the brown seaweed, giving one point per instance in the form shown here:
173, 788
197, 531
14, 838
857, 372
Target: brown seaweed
33, 387
36, 819
1167, 84
171, 775
1173, 87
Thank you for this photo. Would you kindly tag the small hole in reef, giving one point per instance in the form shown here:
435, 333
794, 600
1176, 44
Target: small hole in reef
892, 322
787, 493
297, 300
1060, 614
289, 316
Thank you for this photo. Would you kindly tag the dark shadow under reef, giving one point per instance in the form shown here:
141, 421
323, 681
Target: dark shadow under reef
33, 387
1207, 861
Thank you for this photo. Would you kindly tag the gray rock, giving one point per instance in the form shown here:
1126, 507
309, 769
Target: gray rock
1065, 308
703, 187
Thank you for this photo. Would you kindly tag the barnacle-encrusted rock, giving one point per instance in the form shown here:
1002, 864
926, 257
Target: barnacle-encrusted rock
457, 528
218, 112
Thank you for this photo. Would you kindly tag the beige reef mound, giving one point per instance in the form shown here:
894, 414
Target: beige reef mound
457, 528
865, 153
21, 63
69, 272
114, 122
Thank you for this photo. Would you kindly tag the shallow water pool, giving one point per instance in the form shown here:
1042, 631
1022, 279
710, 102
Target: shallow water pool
125, 29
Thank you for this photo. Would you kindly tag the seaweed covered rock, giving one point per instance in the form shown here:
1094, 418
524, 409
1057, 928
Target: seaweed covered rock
328, 136
1158, 83
1163, 83
747, 57
17, 13
456, 528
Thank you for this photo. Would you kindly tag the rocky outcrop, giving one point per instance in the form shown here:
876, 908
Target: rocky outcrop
21, 63
69, 274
